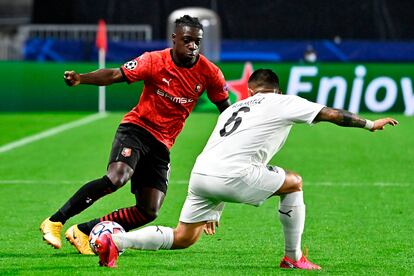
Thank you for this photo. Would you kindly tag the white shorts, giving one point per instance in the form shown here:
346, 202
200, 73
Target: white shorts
207, 194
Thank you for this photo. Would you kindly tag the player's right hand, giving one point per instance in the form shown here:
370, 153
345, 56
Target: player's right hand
71, 78
379, 124
210, 227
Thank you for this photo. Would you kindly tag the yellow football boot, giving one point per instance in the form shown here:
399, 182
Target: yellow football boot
79, 240
51, 232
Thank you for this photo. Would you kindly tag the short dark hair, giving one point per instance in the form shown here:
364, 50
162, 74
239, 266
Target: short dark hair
265, 77
189, 21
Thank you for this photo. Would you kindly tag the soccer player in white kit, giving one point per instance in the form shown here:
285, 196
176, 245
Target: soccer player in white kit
233, 167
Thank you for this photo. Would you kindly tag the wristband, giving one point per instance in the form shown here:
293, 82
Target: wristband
369, 124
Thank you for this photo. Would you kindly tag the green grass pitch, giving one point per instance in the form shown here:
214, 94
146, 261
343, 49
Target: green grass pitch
359, 193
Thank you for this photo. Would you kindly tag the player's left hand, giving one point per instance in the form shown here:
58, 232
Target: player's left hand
379, 124
210, 227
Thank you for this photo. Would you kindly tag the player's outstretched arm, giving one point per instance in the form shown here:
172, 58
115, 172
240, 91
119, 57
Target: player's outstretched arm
101, 77
348, 119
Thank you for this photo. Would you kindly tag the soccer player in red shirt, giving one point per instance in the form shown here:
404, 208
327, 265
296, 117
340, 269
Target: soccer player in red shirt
174, 79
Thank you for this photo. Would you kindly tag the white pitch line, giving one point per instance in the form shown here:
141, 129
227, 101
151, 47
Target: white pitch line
185, 182
32, 181
51, 132
358, 184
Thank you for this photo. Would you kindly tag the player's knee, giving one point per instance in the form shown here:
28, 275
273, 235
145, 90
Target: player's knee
119, 176
118, 180
298, 182
295, 182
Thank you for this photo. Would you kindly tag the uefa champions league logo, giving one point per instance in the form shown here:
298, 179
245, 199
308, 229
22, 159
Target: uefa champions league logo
131, 65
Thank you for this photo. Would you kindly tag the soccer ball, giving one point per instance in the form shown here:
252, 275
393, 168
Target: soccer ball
104, 228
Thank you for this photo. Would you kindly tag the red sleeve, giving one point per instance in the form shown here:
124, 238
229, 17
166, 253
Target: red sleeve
217, 89
138, 68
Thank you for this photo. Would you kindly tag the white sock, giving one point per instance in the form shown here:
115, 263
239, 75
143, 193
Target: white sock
147, 238
292, 217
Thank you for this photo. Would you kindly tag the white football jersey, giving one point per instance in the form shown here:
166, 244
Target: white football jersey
251, 132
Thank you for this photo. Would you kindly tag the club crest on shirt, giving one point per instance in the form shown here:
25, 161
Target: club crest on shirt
130, 65
197, 88
126, 152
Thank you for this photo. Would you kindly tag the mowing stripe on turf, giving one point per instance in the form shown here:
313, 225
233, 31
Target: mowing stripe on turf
185, 182
51, 132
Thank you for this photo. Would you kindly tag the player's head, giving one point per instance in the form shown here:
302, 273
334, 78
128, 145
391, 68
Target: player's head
186, 39
265, 81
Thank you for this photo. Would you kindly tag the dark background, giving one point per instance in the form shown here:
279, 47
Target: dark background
273, 19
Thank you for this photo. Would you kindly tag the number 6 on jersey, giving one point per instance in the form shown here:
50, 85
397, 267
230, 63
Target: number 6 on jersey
237, 121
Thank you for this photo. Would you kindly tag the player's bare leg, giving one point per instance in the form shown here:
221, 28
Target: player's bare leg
148, 238
149, 200
292, 217
187, 234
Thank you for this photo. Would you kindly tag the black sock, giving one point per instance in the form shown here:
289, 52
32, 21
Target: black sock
87, 226
83, 198
58, 216
129, 218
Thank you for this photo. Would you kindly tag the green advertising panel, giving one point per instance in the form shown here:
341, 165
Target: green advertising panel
369, 87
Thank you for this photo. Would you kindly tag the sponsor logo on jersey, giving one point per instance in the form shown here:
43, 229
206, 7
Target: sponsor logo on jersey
130, 65
197, 88
126, 152
166, 81
180, 100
